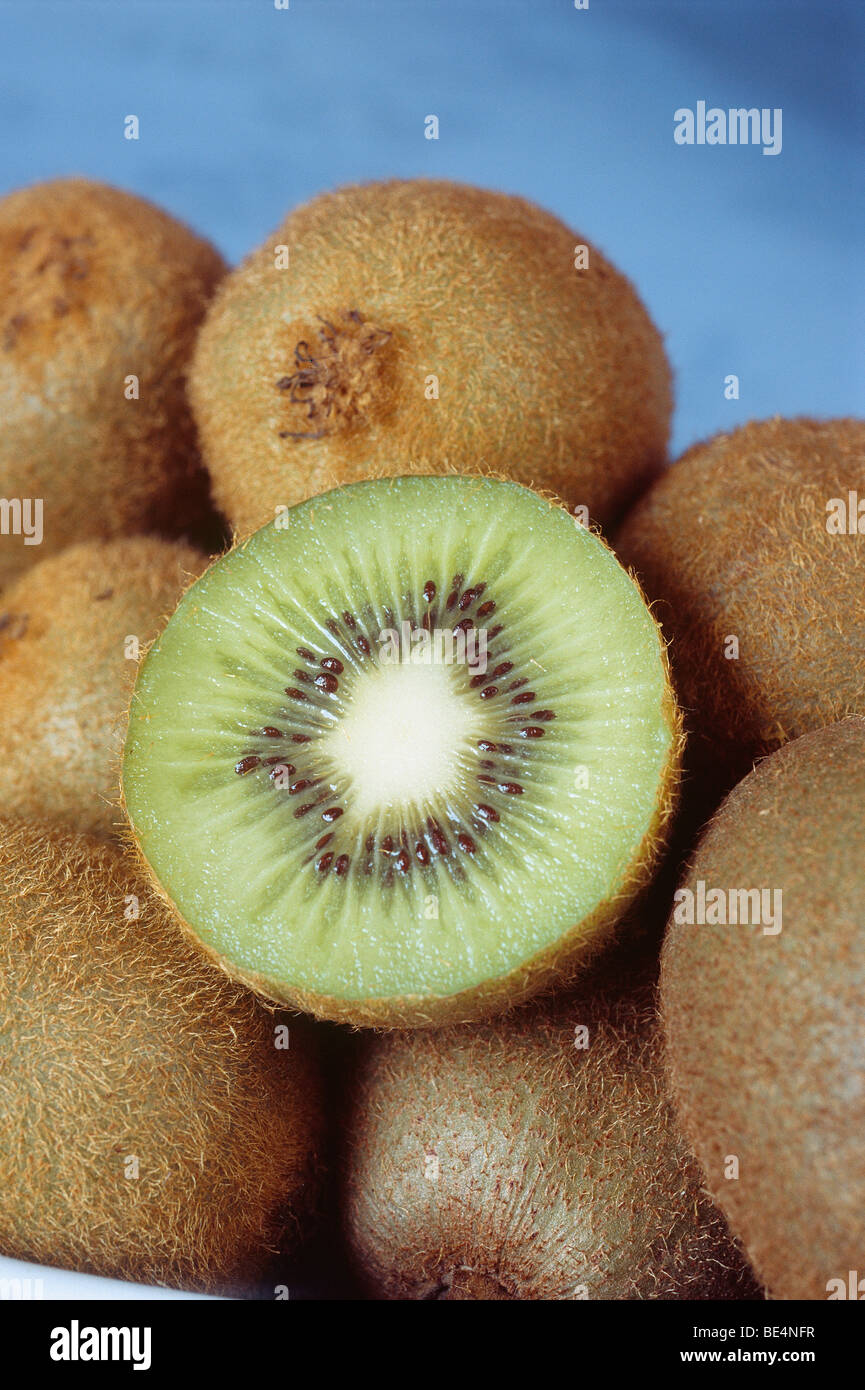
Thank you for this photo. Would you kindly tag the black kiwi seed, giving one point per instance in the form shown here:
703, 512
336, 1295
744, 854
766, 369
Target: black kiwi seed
294, 694
466, 843
327, 682
282, 770
349, 621
531, 731
332, 663
470, 595
247, 764
511, 788
402, 861
525, 697
305, 653
363, 645
489, 692
429, 591
331, 814
487, 812
325, 862
486, 609
342, 865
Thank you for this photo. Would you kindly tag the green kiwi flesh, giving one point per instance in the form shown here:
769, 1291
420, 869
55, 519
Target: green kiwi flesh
766, 1026
405, 840
159, 1123
531, 1158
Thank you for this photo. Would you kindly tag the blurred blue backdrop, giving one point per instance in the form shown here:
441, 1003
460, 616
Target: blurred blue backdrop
750, 264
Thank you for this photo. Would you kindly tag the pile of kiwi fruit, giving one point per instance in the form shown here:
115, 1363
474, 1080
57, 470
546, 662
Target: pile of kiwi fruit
431, 823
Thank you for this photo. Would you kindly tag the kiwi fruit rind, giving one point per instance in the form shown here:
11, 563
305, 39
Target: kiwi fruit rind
386, 840
765, 1027
423, 326
156, 1126
72, 629
97, 286
534, 1157
739, 540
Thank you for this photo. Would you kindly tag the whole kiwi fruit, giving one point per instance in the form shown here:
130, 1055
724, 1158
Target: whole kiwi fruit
764, 1011
386, 771
532, 1158
72, 630
159, 1124
739, 546
423, 326
101, 295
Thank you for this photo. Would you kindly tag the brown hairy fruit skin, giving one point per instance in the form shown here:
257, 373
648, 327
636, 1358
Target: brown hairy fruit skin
504, 1162
66, 679
152, 1129
313, 375
97, 285
732, 541
765, 1032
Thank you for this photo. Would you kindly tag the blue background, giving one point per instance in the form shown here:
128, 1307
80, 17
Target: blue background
749, 264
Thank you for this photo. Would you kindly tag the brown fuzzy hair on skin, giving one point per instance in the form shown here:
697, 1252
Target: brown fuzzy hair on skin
765, 1032
66, 676
507, 1162
97, 285
152, 1129
318, 373
733, 542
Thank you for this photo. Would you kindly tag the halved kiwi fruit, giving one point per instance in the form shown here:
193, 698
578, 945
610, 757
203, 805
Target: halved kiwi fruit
360, 818
72, 629
429, 327
763, 993
101, 295
535, 1157
159, 1124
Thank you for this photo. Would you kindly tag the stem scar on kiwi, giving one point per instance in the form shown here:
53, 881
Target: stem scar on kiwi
407, 756
424, 326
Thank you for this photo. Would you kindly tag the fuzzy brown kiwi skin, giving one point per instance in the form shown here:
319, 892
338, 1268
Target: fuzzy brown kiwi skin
96, 285
548, 970
559, 1172
65, 679
118, 1041
551, 375
764, 1033
732, 541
